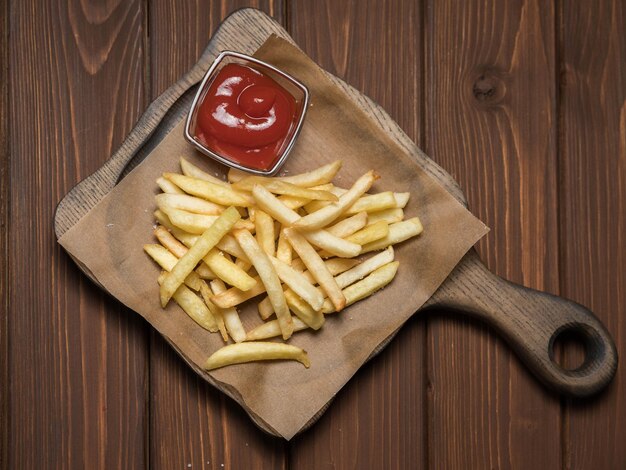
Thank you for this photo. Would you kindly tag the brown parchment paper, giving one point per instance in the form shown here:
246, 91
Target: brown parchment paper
284, 396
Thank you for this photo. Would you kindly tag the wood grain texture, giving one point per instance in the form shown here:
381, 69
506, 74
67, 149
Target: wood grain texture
5, 191
491, 102
78, 358
593, 207
190, 421
376, 421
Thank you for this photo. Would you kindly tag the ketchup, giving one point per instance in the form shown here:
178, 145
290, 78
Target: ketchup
246, 117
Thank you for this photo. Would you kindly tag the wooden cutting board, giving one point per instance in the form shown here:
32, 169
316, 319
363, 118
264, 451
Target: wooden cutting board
528, 320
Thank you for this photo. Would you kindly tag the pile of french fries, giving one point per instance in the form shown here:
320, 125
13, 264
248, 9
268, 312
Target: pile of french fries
292, 240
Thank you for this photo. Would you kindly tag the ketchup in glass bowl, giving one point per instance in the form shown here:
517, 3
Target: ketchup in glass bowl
247, 114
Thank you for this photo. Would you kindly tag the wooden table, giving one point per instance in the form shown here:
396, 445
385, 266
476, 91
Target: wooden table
522, 102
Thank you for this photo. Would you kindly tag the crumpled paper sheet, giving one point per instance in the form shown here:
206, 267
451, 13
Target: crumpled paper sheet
283, 396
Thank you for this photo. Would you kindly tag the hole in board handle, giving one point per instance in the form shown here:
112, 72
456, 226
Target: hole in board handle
575, 347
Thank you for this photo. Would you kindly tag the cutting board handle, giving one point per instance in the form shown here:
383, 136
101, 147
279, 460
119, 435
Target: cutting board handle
530, 321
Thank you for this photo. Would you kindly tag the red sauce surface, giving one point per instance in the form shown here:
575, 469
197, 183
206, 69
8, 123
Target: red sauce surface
246, 117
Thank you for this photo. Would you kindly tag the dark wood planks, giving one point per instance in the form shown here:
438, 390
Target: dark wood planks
4, 230
490, 121
77, 371
593, 207
377, 420
191, 423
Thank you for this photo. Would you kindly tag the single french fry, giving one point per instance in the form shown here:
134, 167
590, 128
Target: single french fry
304, 311
244, 265
398, 233
170, 242
316, 267
255, 351
228, 271
188, 203
331, 244
319, 176
163, 219
370, 233
283, 249
193, 171
206, 293
298, 283
192, 306
335, 265
402, 199
203, 245
235, 296
231, 317
168, 187
329, 213
205, 272
217, 193
198, 223
269, 277
272, 205
271, 329
265, 234
167, 260
349, 225
229, 245
366, 287
235, 175
294, 203
277, 186
365, 268
265, 308
391, 216
372, 203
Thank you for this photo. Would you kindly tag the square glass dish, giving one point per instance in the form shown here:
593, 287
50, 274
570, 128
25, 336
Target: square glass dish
219, 144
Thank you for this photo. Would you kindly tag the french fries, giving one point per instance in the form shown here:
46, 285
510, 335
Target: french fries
349, 225
295, 238
203, 245
229, 315
398, 233
372, 203
316, 267
370, 233
168, 187
366, 287
188, 203
327, 214
167, 260
197, 223
320, 238
257, 351
205, 292
282, 187
298, 283
321, 175
193, 171
210, 191
271, 329
192, 306
269, 277
264, 226
390, 216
